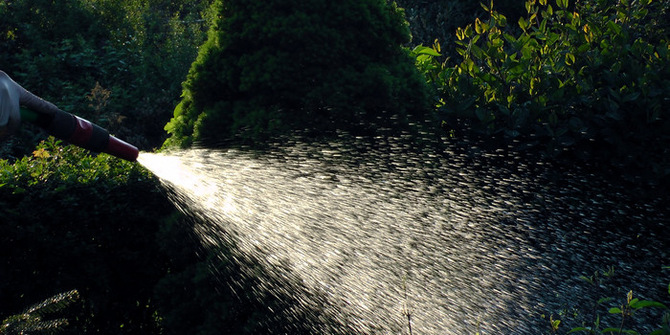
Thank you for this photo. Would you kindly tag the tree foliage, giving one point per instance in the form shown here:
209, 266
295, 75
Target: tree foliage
438, 19
592, 80
272, 66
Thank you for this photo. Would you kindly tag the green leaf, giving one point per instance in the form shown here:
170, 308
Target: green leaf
509, 38
613, 27
563, 4
501, 20
468, 31
579, 329
646, 303
615, 310
543, 25
475, 39
424, 50
480, 27
523, 24
583, 48
460, 34
586, 279
477, 52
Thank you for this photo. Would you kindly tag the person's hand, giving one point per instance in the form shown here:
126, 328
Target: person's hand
10, 115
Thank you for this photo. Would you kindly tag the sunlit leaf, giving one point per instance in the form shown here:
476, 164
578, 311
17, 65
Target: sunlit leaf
41, 153
424, 50
615, 310
646, 303
523, 24
479, 26
468, 31
563, 4
460, 34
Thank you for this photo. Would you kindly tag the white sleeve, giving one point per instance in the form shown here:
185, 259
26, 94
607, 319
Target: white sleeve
10, 94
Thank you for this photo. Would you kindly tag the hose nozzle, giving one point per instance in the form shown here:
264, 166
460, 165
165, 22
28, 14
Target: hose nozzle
121, 149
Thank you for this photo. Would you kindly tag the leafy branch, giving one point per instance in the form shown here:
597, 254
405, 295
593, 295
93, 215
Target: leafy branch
34, 319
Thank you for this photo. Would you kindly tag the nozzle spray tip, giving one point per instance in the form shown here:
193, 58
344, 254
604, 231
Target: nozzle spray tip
121, 149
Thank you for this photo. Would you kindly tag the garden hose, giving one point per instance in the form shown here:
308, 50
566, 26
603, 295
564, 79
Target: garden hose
80, 132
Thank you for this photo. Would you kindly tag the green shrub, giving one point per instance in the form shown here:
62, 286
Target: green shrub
592, 81
272, 66
75, 221
610, 315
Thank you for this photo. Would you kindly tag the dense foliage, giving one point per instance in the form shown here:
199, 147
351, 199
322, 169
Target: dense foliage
116, 63
94, 224
269, 67
72, 221
432, 20
592, 81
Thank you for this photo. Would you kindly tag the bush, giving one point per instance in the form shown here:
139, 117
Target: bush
438, 19
74, 221
591, 82
272, 66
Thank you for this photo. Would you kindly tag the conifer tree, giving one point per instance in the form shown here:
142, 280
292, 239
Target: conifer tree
270, 66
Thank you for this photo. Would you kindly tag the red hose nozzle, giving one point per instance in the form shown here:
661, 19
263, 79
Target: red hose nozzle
121, 149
